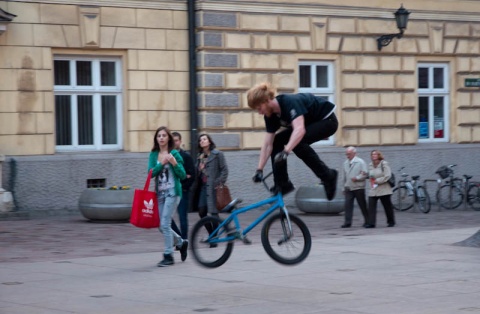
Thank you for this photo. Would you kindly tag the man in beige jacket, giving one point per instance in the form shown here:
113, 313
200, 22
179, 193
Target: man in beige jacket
354, 176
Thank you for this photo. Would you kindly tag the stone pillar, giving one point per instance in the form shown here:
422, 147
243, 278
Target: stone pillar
6, 198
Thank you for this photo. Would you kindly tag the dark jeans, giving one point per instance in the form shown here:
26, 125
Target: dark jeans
350, 196
182, 216
314, 132
387, 206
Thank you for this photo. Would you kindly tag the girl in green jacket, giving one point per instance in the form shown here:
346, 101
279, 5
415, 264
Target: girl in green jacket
168, 171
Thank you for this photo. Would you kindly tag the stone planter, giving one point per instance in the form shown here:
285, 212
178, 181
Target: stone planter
312, 199
106, 205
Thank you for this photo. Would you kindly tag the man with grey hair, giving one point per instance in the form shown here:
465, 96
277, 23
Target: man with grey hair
354, 179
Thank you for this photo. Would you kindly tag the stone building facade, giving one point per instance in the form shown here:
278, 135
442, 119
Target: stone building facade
417, 95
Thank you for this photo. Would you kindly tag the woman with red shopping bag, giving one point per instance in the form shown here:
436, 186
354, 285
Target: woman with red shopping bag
167, 170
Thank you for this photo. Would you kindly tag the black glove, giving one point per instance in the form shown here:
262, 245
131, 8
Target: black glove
258, 177
280, 157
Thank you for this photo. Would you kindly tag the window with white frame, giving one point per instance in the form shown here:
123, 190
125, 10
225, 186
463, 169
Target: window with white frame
88, 103
433, 102
316, 77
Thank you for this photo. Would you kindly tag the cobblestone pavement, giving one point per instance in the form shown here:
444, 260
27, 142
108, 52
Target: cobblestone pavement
72, 236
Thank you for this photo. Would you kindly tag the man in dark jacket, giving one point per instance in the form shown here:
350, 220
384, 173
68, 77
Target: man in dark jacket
305, 119
186, 184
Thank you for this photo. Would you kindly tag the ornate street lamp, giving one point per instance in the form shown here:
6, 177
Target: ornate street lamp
401, 17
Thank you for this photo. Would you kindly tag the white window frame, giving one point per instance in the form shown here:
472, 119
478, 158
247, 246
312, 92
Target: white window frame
431, 93
95, 90
328, 92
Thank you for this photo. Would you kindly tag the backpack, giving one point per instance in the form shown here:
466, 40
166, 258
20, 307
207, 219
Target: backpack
391, 181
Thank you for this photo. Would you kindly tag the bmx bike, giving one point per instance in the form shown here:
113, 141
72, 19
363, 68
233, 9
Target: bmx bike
285, 237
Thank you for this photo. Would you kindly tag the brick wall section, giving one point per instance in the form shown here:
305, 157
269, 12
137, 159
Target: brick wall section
220, 60
212, 39
221, 100
375, 90
218, 19
213, 120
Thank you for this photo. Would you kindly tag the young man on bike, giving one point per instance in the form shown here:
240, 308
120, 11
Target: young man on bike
306, 119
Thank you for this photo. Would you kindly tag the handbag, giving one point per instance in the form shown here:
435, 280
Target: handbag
223, 197
391, 181
145, 207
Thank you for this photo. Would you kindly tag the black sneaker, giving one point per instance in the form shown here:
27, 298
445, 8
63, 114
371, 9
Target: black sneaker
167, 261
246, 241
183, 250
331, 185
284, 189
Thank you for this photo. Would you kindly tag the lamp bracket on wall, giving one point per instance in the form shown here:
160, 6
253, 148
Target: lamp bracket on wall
401, 17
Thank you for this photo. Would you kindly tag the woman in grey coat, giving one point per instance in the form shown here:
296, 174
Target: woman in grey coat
212, 171
379, 172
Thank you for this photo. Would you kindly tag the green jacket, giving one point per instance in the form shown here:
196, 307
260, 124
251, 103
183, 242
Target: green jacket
178, 170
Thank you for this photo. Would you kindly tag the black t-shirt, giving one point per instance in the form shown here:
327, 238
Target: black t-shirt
311, 107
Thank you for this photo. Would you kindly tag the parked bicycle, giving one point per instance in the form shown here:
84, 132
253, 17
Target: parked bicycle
452, 194
407, 193
285, 237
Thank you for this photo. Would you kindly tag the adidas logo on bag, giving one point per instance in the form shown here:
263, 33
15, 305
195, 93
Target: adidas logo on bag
149, 207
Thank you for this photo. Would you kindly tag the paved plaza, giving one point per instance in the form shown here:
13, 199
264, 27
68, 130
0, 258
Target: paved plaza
67, 264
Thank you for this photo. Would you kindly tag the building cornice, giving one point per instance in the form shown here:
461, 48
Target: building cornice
268, 7
138, 4
331, 10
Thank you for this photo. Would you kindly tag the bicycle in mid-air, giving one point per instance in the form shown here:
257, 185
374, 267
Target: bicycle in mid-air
452, 194
410, 192
285, 237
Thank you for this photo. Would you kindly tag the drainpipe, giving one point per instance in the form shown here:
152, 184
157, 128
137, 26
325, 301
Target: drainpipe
192, 46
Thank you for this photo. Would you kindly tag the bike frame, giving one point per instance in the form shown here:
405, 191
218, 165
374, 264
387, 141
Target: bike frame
412, 186
277, 203
464, 185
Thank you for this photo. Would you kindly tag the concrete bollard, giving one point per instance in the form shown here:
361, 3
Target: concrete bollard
113, 205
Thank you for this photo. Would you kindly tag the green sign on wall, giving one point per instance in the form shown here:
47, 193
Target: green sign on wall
472, 82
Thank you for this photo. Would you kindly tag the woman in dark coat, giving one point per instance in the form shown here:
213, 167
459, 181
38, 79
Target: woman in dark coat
212, 171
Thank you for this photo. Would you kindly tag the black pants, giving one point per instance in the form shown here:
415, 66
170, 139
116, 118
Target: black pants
314, 132
350, 197
387, 206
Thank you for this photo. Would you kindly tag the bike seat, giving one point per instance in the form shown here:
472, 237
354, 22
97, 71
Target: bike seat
415, 177
231, 206
466, 176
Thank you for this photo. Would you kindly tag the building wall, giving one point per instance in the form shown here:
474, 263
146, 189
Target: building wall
238, 45
150, 37
242, 45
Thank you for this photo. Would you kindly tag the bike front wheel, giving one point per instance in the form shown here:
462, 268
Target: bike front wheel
474, 196
424, 203
449, 197
206, 253
283, 245
402, 198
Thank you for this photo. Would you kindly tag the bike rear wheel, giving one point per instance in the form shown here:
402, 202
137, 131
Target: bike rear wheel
281, 245
204, 252
444, 199
424, 203
402, 198
474, 196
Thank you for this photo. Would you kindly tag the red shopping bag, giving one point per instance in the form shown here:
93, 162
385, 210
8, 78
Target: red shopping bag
145, 207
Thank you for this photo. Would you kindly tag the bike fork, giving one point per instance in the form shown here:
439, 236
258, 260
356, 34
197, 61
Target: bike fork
287, 230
